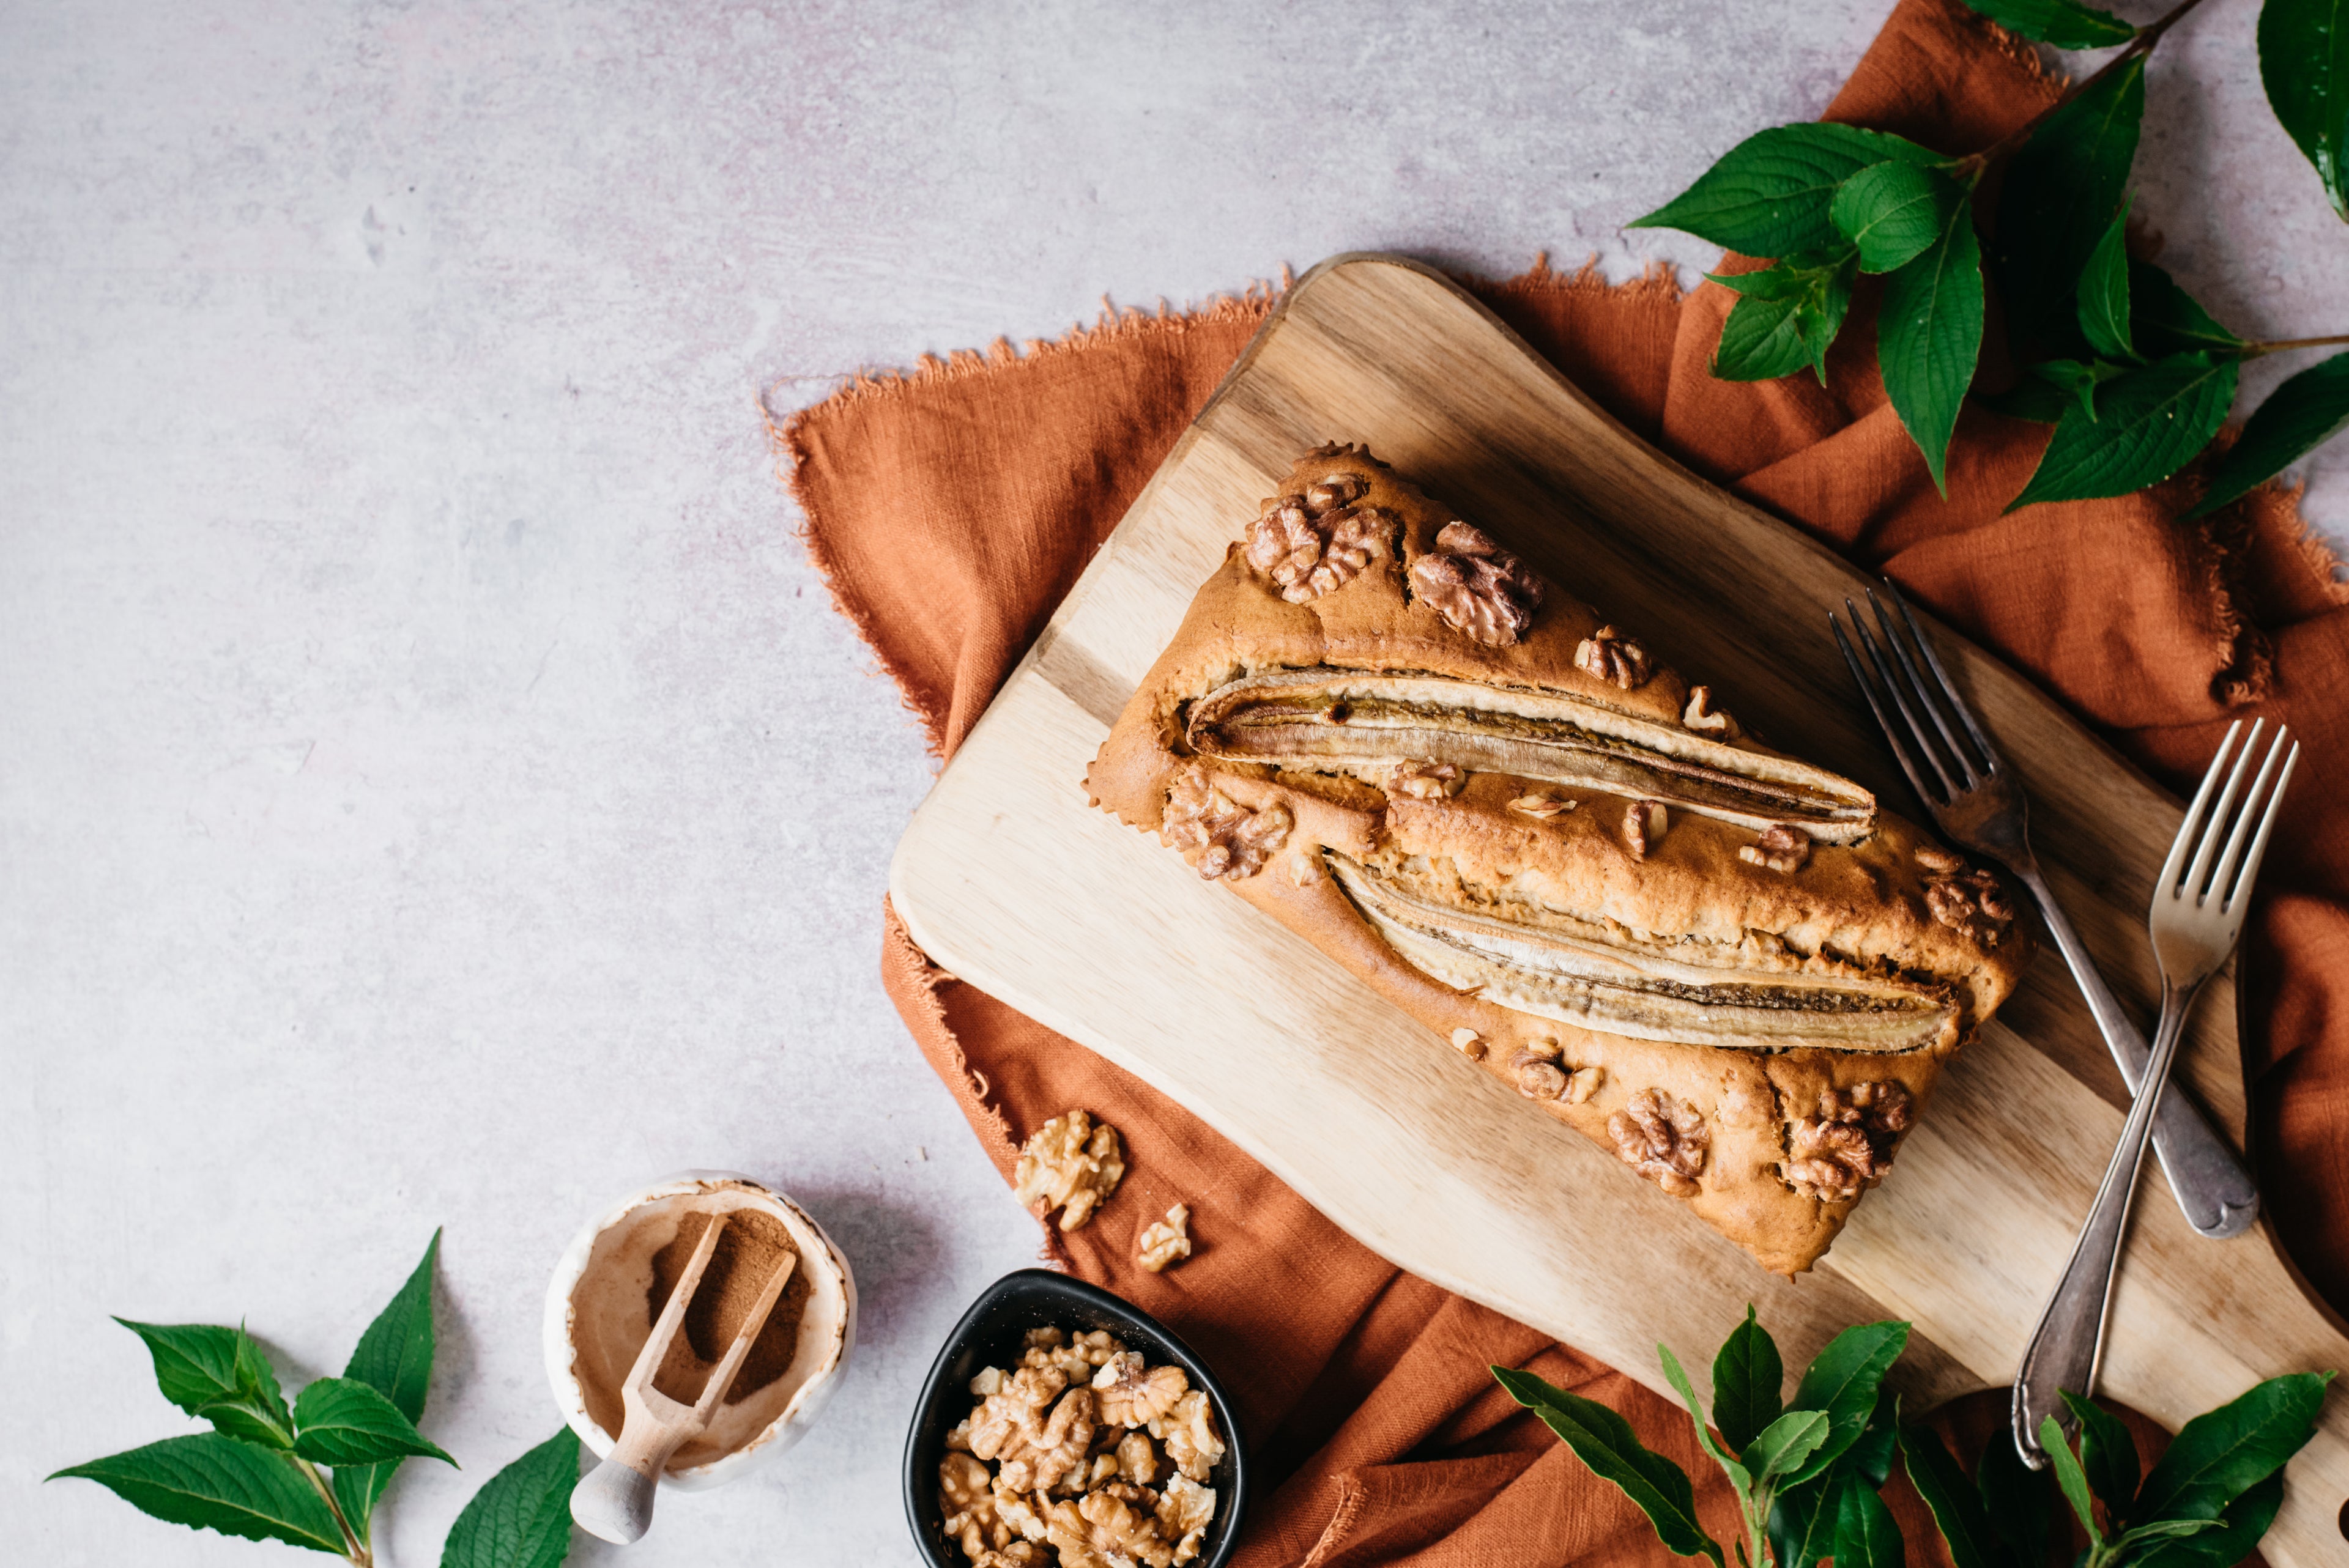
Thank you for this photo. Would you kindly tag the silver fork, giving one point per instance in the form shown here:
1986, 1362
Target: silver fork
1978, 805
2197, 917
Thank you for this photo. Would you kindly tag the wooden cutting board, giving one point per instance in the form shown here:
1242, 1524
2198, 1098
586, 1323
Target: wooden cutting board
1011, 880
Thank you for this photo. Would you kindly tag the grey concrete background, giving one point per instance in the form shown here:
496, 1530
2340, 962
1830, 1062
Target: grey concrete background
433, 787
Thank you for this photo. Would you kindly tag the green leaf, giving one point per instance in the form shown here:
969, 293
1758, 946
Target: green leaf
342, 1422
2160, 1529
1963, 1521
2304, 65
1802, 1525
1739, 1477
1842, 1381
1788, 315
207, 1482
2300, 416
2066, 24
2222, 1453
1781, 1447
1769, 195
1929, 336
1749, 1382
195, 1364
521, 1518
1892, 210
2070, 1477
2240, 1528
2166, 318
1866, 1533
2105, 292
220, 1375
2107, 1454
395, 1359
2061, 192
2149, 424
1604, 1440
2019, 1500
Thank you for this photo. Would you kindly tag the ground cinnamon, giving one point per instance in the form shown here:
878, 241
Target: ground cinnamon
749, 1251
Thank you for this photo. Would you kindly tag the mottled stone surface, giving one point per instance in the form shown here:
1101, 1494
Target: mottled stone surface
434, 790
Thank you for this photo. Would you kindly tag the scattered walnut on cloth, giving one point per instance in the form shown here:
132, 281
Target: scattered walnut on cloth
1082, 1432
1072, 1165
1166, 1243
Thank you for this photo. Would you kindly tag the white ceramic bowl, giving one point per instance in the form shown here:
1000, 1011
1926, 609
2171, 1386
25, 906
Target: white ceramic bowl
596, 1332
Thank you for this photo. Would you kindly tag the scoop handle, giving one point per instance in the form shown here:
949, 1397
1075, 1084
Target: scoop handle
614, 1502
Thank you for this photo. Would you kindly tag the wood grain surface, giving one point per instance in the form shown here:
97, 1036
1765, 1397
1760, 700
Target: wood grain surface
1009, 879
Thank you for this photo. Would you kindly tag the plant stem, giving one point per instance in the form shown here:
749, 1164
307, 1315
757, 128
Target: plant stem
352, 1548
2253, 350
2141, 45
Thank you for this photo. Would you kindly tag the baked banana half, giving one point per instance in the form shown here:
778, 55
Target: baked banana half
1501, 810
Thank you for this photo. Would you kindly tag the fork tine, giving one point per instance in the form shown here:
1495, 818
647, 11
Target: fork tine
2197, 877
1924, 695
1958, 704
2188, 831
2268, 820
1892, 684
1892, 737
2226, 881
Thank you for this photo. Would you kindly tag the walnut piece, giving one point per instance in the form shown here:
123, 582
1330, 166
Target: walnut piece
1783, 847
1469, 1043
1939, 861
1706, 719
1184, 1510
1188, 1430
1480, 589
1425, 781
1972, 903
1662, 1138
1847, 1146
1541, 805
1537, 1076
1137, 1461
1166, 1243
1134, 1395
965, 1495
1613, 656
1644, 823
1232, 840
1071, 1165
1019, 1554
1312, 544
1582, 1083
1036, 1452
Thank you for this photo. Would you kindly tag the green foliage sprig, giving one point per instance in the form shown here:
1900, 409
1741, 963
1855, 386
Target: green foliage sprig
2136, 377
1808, 1472
258, 1472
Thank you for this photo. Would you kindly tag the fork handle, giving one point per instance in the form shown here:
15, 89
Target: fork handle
2217, 1194
2069, 1342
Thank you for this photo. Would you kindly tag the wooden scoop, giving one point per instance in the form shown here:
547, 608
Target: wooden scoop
616, 1501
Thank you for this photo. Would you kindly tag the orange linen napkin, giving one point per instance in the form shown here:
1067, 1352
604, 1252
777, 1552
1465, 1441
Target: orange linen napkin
951, 508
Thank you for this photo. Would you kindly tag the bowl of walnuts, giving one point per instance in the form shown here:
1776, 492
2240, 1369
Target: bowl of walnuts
1061, 1425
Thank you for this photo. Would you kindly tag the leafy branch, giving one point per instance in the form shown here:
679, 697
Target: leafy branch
1808, 1472
2135, 375
257, 1473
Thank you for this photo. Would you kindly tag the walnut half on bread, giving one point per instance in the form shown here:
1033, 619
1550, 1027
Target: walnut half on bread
1507, 814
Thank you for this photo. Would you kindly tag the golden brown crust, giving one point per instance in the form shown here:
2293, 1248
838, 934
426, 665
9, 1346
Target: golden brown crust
1857, 909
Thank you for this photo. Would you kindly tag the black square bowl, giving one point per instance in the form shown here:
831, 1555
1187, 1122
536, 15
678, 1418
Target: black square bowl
990, 1334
